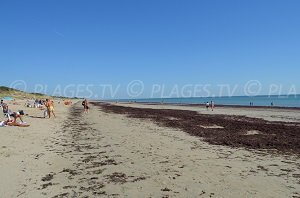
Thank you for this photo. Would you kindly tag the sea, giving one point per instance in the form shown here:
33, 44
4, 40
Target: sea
277, 101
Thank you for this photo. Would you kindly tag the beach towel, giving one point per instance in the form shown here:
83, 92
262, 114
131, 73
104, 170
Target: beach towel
18, 124
8, 98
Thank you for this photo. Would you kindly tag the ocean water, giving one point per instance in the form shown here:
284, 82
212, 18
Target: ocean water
279, 101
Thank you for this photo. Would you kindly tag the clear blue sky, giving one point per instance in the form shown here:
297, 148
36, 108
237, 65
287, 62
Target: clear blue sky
159, 42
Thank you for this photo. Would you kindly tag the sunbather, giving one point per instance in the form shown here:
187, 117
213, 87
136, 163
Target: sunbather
11, 123
3, 123
14, 122
18, 114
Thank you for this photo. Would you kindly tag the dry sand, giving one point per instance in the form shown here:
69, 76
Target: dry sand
111, 155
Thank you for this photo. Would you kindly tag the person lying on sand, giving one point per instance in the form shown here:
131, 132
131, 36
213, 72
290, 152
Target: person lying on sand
17, 124
3, 123
16, 115
14, 122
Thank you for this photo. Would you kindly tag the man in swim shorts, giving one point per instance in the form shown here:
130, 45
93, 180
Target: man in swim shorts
50, 107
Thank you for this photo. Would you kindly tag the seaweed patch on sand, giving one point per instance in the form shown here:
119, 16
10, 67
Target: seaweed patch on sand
234, 131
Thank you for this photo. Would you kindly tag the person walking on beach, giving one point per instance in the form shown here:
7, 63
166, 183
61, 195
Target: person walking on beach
85, 105
50, 107
212, 105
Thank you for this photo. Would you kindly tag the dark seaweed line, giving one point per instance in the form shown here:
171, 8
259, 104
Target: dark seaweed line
73, 131
281, 136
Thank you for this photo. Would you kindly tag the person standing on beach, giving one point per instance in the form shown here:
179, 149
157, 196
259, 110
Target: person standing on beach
2, 103
50, 107
85, 105
4, 107
44, 103
207, 106
212, 105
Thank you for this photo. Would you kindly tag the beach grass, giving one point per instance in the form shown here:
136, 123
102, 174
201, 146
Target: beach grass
18, 94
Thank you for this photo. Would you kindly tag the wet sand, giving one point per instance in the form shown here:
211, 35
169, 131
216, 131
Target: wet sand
270, 114
109, 153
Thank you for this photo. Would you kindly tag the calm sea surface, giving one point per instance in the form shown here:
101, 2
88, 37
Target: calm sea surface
282, 101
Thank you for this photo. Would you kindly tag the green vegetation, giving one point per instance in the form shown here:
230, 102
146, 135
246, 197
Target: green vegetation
17, 94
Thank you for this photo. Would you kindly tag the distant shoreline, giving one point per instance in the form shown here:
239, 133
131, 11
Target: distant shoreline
278, 102
202, 105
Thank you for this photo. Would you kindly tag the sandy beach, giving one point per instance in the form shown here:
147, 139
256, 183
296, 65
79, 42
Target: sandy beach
112, 152
153, 99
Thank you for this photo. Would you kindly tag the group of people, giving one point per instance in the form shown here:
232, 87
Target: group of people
49, 104
39, 103
210, 105
12, 116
